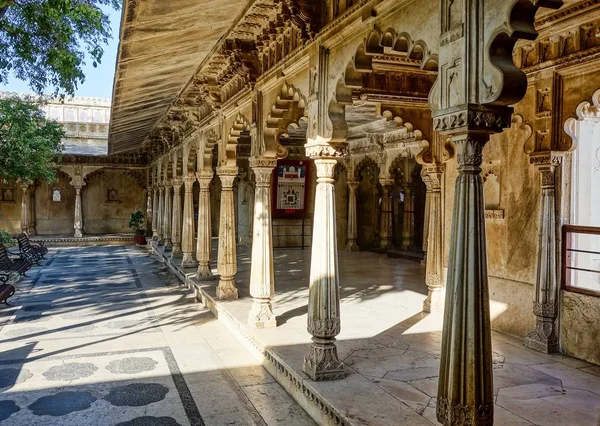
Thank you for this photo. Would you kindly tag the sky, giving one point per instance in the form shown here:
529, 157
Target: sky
98, 81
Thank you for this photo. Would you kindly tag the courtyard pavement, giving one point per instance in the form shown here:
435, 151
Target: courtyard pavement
104, 336
391, 349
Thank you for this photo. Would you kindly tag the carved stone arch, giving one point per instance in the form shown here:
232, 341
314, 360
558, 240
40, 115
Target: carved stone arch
388, 38
585, 109
240, 124
368, 162
138, 177
289, 108
519, 25
93, 175
403, 43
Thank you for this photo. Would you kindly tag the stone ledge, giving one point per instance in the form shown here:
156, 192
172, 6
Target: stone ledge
301, 390
85, 241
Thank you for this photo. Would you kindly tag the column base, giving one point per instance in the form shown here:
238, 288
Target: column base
188, 261
464, 414
322, 362
155, 237
385, 244
176, 253
226, 289
31, 231
78, 234
168, 244
543, 337
434, 303
352, 246
204, 273
261, 314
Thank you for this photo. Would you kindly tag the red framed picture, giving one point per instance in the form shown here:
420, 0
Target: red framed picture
290, 190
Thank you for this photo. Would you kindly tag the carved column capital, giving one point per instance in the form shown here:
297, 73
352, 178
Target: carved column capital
324, 150
352, 185
177, 183
204, 178
188, 181
262, 162
227, 176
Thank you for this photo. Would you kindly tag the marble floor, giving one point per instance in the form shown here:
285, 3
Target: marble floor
391, 349
103, 336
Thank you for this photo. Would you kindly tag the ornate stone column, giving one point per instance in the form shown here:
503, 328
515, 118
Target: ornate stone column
177, 253
262, 276
31, 218
226, 261
543, 337
434, 267
168, 217
24, 208
155, 209
386, 214
149, 218
322, 362
204, 242
408, 222
161, 213
187, 235
465, 384
78, 220
352, 224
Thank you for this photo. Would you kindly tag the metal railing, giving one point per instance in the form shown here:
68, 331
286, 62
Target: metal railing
581, 259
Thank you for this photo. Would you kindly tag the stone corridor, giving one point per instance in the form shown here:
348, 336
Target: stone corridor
107, 336
100, 336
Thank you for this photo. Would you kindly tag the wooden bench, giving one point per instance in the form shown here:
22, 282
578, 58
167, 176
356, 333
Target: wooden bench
20, 265
6, 291
27, 251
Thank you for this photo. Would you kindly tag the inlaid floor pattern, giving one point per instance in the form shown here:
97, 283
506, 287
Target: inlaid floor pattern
96, 337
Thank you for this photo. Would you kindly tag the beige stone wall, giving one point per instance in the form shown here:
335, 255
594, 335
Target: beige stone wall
512, 241
102, 216
579, 331
10, 213
55, 218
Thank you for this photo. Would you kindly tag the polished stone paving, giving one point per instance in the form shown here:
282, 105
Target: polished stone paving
391, 350
103, 336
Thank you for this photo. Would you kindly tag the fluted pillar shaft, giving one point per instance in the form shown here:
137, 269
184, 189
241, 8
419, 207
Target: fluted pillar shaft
322, 362
543, 337
262, 276
352, 223
78, 221
204, 242
161, 213
465, 391
149, 219
155, 209
432, 176
187, 234
168, 217
24, 209
226, 260
31, 218
176, 253
386, 214
408, 222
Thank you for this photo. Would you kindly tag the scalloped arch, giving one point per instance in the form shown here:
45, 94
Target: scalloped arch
289, 108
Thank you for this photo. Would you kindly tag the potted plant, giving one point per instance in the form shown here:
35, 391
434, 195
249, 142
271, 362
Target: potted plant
7, 239
135, 222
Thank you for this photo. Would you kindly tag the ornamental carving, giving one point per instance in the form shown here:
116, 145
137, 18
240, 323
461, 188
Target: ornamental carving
545, 310
463, 415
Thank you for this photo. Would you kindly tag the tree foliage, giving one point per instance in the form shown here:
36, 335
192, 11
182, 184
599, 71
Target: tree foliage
29, 143
44, 42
